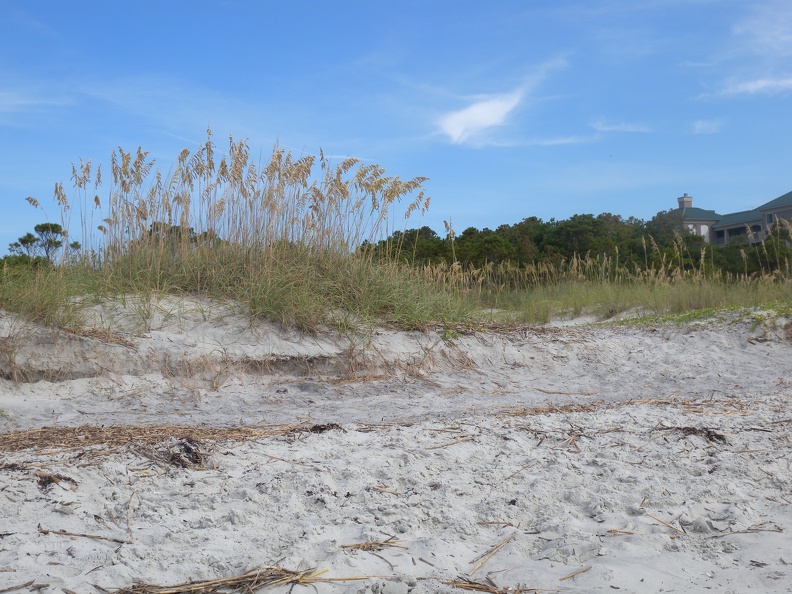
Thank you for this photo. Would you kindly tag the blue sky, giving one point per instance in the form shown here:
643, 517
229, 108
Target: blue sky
511, 108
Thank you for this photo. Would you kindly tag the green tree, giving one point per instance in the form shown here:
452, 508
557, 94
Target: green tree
24, 246
577, 235
414, 246
664, 225
46, 243
476, 248
50, 238
422, 246
526, 238
736, 257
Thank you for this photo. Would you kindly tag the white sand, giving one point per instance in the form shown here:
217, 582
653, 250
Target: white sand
591, 448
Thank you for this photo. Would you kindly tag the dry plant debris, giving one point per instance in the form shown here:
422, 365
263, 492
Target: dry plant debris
483, 558
11, 467
102, 335
250, 581
464, 583
18, 586
719, 407
121, 436
80, 534
705, 432
574, 574
264, 576
182, 452
674, 528
45, 479
375, 545
450, 443
323, 428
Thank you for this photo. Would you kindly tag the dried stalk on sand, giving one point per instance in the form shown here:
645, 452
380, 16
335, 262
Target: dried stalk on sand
260, 577
468, 584
482, 559
375, 545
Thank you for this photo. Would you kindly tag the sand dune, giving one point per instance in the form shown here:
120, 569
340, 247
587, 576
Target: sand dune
184, 443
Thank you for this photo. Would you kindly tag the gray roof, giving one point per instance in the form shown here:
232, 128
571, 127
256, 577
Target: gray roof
780, 202
699, 214
739, 218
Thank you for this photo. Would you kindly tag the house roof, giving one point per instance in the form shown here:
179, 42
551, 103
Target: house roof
699, 214
739, 218
780, 202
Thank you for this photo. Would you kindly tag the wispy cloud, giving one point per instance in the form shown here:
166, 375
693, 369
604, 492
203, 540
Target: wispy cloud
768, 86
550, 141
561, 140
706, 126
29, 108
764, 37
602, 125
768, 29
486, 112
12, 101
468, 123
15, 101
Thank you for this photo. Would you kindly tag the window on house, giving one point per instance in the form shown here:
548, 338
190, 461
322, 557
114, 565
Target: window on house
720, 234
770, 218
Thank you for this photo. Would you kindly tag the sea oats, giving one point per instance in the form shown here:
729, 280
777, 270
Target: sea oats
142, 212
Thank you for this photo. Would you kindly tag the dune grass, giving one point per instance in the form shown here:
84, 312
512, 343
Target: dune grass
599, 286
281, 238
289, 239
606, 300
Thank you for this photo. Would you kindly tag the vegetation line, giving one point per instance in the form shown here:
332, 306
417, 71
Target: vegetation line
308, 242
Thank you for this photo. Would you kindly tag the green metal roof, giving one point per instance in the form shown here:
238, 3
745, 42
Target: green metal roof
737, 218
699, 214
780, 202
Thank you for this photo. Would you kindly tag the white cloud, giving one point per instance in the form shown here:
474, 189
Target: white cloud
601, 125
768, 30
706, 126
763, 85
468, 123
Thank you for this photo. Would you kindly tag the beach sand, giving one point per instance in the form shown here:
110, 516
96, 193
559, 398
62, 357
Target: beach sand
176, 441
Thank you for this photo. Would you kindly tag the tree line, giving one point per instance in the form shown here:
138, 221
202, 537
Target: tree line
630, 242
627, 242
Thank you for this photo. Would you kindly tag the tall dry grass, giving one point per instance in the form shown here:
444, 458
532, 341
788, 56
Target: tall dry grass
604, 287
281, 237
249, 208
